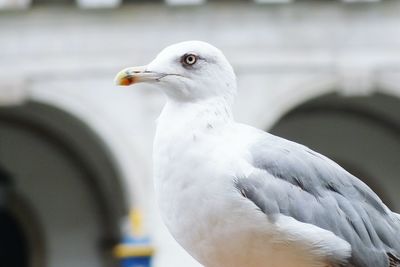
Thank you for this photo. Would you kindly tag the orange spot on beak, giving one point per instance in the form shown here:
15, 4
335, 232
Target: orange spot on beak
126, 81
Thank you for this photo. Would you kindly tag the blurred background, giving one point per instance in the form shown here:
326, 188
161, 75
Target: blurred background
76, 151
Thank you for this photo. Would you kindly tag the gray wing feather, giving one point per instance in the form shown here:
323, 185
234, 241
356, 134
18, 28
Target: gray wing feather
315, 190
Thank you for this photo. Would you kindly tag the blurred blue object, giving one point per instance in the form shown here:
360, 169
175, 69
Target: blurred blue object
135, 249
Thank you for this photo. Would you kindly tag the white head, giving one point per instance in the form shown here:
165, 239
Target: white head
188, 71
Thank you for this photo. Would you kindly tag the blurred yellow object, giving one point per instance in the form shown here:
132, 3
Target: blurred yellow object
136, 222
128, 250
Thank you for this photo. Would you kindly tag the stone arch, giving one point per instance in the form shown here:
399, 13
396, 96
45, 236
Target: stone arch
67, 175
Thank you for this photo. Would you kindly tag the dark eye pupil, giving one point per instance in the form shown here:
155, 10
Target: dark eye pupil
190, 59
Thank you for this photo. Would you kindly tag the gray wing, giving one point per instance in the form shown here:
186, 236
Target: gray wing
317, 191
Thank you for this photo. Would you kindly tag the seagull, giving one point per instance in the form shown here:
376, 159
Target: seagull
236, 196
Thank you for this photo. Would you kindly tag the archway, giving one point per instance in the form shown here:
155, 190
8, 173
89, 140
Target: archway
360, 133
65, 174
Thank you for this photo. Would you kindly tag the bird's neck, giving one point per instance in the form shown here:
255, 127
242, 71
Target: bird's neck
186, 133
193, 116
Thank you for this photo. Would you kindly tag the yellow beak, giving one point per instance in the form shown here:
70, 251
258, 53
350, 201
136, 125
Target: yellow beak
134, 75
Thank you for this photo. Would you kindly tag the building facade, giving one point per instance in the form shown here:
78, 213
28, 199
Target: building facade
76, 151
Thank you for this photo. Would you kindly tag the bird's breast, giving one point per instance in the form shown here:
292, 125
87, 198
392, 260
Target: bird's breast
192, 171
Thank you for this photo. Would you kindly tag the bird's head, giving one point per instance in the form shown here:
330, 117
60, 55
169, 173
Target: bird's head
187, 71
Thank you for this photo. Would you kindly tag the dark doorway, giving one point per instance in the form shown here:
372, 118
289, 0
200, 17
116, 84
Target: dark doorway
13, 242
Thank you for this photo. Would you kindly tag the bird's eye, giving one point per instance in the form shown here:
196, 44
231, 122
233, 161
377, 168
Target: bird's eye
189, 59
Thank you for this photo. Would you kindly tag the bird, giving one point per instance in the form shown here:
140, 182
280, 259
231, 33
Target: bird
236, 196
